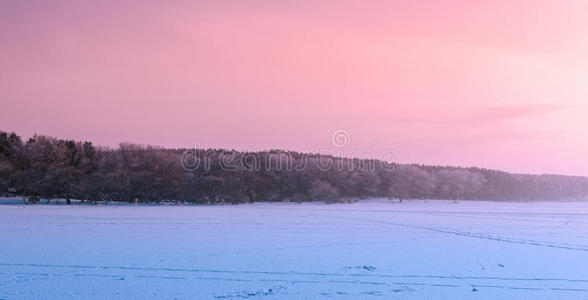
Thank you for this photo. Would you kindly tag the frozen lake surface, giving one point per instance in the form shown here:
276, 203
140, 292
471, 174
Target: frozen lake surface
411, 250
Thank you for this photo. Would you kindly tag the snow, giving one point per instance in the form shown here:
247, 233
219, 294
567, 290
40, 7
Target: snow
372, 249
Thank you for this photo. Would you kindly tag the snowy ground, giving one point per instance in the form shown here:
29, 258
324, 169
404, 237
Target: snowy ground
414, 250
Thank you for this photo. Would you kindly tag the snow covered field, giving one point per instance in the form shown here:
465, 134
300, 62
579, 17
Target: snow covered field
412, 250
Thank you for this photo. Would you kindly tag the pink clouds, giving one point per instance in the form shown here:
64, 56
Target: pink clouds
498, 85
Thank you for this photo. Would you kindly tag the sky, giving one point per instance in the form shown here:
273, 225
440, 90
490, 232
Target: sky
495, 84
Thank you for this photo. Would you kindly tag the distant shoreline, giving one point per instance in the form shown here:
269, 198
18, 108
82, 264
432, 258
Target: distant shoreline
19, 200
45, 167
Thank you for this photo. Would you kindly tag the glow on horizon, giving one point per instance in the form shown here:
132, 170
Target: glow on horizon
498, 84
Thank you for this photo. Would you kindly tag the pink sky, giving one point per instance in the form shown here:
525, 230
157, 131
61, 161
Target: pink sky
499, 84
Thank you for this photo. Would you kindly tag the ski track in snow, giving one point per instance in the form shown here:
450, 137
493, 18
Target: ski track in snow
412, 250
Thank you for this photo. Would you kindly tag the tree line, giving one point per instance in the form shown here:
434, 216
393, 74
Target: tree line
51, 168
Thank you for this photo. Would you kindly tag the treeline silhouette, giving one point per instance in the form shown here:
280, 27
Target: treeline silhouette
50, 168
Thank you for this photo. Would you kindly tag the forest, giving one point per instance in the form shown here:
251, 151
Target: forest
44, 167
